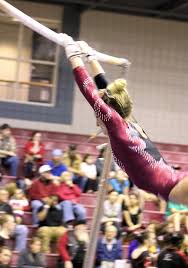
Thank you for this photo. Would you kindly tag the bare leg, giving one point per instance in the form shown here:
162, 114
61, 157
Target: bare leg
175, 219
179, 194
186, 223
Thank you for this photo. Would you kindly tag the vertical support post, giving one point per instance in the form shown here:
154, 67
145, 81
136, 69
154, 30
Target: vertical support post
95, 228
71, 18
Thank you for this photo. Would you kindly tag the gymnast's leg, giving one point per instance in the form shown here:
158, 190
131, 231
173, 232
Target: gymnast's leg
179, 194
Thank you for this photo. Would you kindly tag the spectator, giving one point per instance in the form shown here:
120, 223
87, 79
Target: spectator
57, 167
5, 208
32, 256
69, 194
71, 156
120, 183
153, 247
8, 156
171, 256
100, 161
132, 213
5, 257
140, 255
34, 153
169, 227
50, 223
177, 214
9, 230
112, 209
184, 245
19, 204
72, 247
90, 172
78, 175
41, 190
109, 249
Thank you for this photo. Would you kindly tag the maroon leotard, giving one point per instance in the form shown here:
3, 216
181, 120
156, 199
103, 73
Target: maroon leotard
136, 155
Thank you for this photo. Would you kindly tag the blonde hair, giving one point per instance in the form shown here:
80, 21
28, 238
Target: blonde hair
117, 96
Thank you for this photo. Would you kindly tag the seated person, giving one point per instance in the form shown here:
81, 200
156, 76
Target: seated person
89, 170
72, 247
56, 163
120, 183
50, 223
132, 213
153, 246
32, 256
172, 256
9, 230
109, 249
34, 153
71, 156
78, 175
177, 214
5, 208
140, 255
41, 190
8, 155
69, 194
100, 161
19, 204
184, 245
5, 257
112, 211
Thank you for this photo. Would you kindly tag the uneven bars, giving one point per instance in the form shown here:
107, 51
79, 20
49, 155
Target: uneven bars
53, 36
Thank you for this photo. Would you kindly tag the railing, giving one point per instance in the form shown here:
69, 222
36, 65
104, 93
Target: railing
20, 91
37, 84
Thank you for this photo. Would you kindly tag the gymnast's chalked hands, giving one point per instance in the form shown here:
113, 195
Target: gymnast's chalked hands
71, 47
87, 51
91, 54
124, 63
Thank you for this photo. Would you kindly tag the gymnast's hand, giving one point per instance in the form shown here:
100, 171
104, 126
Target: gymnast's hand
87, 51
71, 47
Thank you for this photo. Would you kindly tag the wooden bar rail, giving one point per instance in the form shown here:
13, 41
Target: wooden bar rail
37, 84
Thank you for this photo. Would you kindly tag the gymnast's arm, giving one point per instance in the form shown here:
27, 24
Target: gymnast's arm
98, 74
88, 89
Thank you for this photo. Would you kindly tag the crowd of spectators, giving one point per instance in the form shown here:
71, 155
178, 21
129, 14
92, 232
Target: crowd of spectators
51, 187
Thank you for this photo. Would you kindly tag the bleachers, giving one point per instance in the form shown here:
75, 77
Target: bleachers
173, 154
151, 212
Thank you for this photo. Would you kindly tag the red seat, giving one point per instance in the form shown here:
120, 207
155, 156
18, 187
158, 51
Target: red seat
125, 251
88, 199
150, 205
150, 215
51, 260
90, 210
27, 218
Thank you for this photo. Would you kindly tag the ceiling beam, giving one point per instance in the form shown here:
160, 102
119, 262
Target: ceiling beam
107, 6
172, 5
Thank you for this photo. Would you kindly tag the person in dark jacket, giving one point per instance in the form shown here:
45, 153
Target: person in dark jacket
140, 256
5, 208
171, 256
50, 222
109, 249
72, 247
32, 256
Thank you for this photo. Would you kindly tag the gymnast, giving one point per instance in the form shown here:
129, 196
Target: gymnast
131, 148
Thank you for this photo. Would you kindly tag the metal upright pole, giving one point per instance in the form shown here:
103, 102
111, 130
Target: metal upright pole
95, 227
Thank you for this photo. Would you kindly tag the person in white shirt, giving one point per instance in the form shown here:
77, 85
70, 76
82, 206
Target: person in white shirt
90, 173
112, 210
